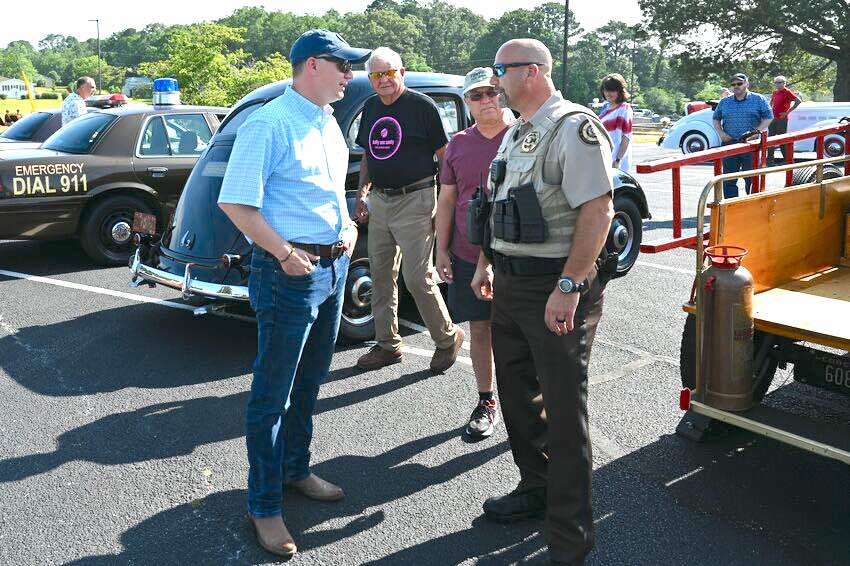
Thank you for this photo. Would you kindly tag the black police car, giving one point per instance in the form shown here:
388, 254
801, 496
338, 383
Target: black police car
88, 179
31, 130
203, 254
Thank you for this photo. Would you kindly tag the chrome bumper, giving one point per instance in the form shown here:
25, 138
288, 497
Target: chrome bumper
186, 284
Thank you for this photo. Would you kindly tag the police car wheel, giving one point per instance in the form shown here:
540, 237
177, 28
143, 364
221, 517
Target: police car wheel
358, 323
625, 234
106, 229
688, 357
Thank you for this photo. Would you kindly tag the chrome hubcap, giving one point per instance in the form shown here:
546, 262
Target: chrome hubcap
121, 232
361, 292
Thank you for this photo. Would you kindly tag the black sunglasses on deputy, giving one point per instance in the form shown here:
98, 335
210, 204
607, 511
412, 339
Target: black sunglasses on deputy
736, 84
341, 64
499, 69
477, 95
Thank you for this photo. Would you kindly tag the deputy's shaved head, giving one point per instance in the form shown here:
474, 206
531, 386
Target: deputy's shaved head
525, 49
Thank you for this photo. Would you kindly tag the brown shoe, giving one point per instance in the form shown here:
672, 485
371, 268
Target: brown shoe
444, 358
378, 357
273, 536
316, 488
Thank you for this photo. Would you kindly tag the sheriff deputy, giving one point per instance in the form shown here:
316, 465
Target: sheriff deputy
551, 211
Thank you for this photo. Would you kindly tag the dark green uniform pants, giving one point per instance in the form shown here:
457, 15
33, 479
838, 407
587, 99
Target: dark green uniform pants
542, 384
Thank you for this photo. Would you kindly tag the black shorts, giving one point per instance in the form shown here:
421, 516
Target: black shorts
462, 300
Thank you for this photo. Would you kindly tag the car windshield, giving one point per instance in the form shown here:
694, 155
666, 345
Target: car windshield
80, 135
25, 128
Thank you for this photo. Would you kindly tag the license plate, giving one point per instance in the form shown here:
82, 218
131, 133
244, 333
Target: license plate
824, 370
144, 223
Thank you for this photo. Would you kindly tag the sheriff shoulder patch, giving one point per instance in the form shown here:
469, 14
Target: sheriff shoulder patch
587, 133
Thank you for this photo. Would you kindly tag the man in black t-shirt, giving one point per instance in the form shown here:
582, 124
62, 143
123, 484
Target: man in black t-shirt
401, 132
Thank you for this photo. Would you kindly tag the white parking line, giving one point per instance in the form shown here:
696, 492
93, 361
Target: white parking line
97, 290
663, 267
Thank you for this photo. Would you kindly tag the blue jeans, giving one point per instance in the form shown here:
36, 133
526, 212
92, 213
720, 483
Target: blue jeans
297, 324
734, 164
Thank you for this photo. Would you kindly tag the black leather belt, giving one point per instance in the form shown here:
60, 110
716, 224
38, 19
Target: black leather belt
523, 265
331, 251
407, 189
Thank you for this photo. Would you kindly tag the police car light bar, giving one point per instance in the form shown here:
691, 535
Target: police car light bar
166, 91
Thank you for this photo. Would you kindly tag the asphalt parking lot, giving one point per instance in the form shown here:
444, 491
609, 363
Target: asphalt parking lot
122, 437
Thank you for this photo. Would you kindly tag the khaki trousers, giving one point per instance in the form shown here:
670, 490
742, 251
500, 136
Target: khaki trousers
542, 384
403, 227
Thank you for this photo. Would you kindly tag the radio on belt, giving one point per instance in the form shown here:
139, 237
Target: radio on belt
166, 91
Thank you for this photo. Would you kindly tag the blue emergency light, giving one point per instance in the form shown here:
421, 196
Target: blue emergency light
166, 91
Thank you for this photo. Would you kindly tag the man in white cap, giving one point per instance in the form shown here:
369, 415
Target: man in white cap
465, 167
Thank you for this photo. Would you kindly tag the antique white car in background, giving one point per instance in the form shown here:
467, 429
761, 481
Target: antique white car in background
695, 132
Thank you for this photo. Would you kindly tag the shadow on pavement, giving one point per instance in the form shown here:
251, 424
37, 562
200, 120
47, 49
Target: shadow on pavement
140, 345
46, 258
214, 529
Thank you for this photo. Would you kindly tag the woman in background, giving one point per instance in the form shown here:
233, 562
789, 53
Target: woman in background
616, 115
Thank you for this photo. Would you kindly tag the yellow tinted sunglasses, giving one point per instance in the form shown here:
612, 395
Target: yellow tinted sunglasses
376, 75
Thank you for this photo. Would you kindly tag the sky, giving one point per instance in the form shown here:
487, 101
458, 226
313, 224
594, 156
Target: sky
71, 18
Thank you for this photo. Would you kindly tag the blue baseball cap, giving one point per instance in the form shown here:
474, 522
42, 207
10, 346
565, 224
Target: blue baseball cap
323, 42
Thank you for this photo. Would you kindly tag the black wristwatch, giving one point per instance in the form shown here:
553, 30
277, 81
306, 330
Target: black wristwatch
567, 285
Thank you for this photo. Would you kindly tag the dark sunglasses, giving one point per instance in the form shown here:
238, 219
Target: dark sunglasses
499, 69
341, 64
376, 75
736, 84
477, 95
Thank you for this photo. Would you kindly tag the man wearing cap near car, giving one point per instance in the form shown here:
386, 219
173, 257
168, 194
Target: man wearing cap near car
284, 188
734, 116
465, 167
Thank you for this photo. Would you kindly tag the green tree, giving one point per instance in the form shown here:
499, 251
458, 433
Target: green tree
111, 77
585, 69
246, 79
449, 37
199, 59
386, 28
17, 59
544, 23
663, 101
757, 30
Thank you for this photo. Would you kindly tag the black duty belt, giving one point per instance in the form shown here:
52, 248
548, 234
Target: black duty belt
331, 251
407, 189
524, 265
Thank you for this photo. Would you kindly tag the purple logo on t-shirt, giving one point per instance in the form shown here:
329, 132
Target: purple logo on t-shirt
388, 139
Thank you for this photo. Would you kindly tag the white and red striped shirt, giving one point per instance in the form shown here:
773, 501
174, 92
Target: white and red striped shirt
618, 121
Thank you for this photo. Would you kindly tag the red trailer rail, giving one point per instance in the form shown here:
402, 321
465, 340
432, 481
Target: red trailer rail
759, 150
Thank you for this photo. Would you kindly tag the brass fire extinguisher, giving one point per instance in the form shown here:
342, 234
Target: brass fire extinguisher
727, 330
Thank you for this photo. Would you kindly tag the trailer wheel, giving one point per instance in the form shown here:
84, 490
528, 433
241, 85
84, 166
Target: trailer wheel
808, 175
688, 359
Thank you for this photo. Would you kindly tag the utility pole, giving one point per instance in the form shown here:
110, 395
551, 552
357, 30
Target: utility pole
566, 36
99, 78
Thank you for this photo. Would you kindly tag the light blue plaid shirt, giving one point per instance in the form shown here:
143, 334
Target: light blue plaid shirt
290, 161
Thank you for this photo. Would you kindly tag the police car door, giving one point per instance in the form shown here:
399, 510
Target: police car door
167, 149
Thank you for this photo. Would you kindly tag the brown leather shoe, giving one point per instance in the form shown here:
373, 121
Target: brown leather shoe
273, 535
444, 358
316, 488
378, 357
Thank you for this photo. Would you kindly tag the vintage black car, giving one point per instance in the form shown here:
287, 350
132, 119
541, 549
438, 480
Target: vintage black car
31, 130
203, 254
88, 179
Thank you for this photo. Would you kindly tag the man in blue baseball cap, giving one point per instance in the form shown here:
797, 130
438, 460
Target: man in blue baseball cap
284, 188
322, 43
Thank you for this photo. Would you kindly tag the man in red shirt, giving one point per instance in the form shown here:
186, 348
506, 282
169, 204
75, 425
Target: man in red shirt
782, 102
